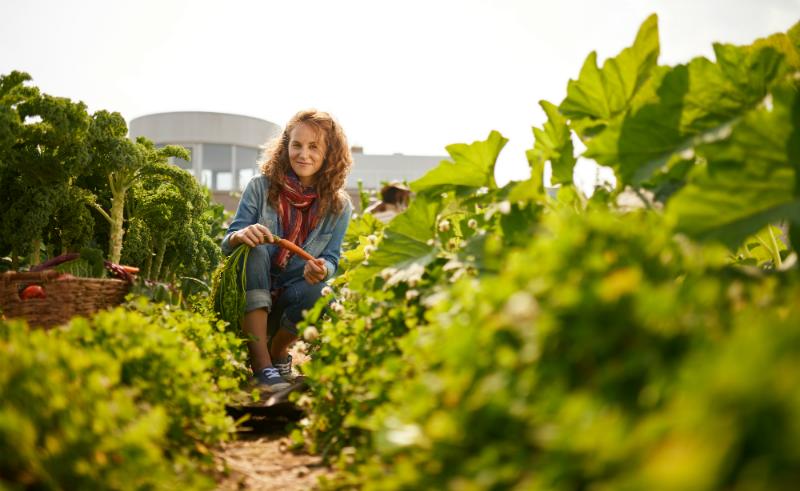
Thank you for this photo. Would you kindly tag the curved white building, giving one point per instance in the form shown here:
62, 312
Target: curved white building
224, 148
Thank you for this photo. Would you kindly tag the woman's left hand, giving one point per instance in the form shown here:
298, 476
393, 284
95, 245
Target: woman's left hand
315, 271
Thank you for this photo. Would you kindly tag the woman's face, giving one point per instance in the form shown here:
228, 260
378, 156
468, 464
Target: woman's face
306, 152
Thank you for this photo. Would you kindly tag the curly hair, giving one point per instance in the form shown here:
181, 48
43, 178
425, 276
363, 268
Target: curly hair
329, 180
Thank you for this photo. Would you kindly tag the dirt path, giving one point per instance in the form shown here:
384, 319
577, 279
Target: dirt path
263, 461
260, 458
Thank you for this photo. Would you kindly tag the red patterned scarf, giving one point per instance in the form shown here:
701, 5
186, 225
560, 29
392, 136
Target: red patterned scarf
297, 214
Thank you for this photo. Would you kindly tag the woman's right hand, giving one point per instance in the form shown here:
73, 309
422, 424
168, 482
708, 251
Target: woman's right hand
252, 235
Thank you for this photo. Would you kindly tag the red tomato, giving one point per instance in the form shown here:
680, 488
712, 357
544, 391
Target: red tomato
32, 291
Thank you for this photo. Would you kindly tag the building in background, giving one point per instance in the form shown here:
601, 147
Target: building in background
225, 152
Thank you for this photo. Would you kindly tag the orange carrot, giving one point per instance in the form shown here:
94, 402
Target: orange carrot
292, 247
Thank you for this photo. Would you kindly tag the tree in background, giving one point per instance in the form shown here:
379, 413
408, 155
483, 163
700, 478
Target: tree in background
43, 150
172, 223
61, 167
123, 162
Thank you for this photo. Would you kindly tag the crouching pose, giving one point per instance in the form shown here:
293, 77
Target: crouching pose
300, 197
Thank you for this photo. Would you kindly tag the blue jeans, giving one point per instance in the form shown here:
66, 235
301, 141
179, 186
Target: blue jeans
296, 294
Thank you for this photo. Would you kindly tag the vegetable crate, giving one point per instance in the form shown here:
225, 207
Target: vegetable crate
59, 298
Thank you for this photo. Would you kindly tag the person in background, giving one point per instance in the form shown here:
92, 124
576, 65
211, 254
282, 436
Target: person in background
394, 199
299, 196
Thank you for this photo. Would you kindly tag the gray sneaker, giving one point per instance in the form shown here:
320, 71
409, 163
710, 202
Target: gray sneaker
270, 380
284, 367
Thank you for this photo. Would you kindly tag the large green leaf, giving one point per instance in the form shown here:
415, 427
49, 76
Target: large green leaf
407, 241
600, 94
472, 167
794, 37
688, 105
751, 177
553, 143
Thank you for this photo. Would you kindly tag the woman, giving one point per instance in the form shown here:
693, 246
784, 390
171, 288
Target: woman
300, 197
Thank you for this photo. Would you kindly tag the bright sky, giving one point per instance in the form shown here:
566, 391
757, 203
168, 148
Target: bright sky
407, 76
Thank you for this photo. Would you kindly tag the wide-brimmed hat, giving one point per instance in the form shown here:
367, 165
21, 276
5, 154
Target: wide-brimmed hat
395, 185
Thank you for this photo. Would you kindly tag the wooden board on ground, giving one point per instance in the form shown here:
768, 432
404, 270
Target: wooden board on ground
275, 404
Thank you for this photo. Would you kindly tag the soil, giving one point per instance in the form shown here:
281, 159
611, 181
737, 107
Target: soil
260, 457
262, 460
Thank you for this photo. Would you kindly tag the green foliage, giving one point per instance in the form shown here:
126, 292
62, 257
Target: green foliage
500, 338
554, 144
71, 179
749, 178
124, 162
475, 164
587, 318
223, 352
228, 288
67, 421
175, 360
363, 196
439, 238
722, 134
43, 140
174, 228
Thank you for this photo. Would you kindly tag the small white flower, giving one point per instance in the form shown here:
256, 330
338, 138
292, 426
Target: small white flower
412, 294
354, 216
457, 275
346, 292
444, 225
410, 275
521, 307
337, 307
326, 291
373, 239
504, 207
369, 249
310, 333
481, 191
453, 242
402, 435
472, 223
430, 242
387, 273
365, 263
300, 346
304, 401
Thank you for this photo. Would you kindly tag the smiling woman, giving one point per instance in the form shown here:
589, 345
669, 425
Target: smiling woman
300, 196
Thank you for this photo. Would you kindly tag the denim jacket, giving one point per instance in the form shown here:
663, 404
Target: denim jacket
324, 241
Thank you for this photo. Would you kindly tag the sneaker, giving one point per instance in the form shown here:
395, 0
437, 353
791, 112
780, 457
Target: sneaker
284, 367
270, 380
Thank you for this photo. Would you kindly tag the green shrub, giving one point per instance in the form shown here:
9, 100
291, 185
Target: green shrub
159, 357
67, 422
565, 370
733, 420
223, 350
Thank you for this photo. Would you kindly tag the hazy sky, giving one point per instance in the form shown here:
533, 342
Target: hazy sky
407, 76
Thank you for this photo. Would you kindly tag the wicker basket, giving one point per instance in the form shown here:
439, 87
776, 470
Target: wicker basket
64, 298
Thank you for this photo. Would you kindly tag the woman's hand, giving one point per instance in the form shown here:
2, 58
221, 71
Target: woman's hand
315, 271
252, 235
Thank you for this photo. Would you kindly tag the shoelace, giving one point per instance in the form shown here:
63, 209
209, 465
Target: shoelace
271, 372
